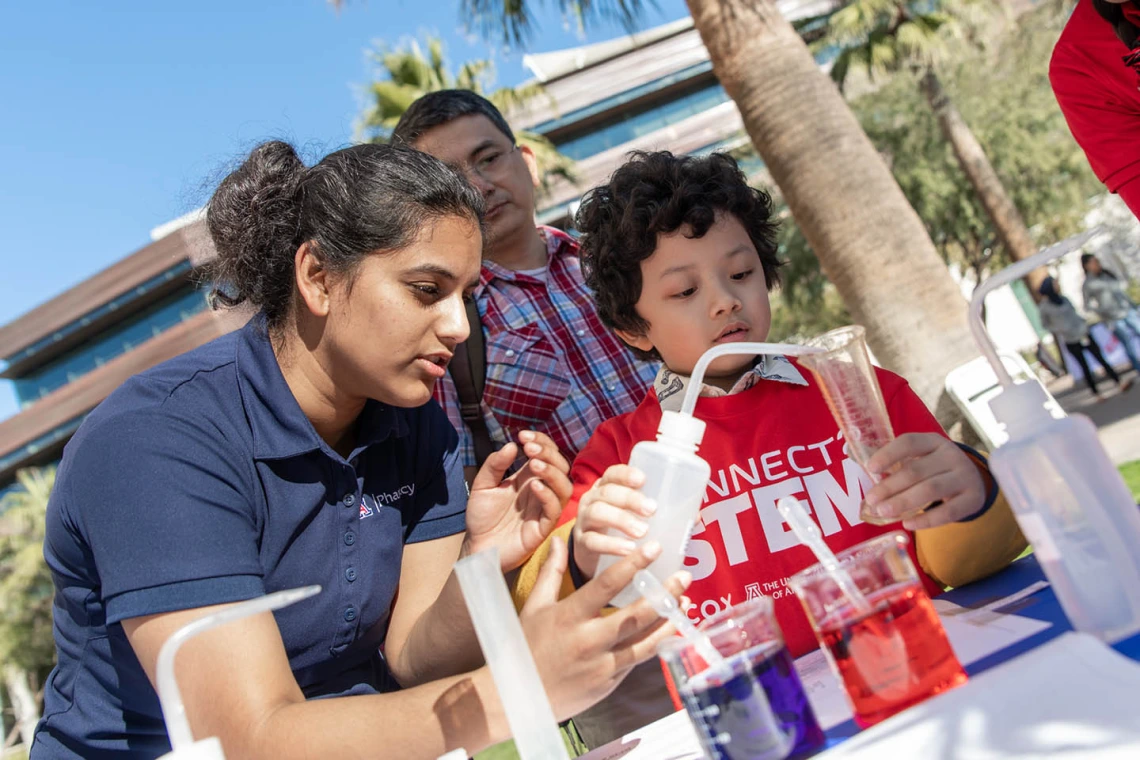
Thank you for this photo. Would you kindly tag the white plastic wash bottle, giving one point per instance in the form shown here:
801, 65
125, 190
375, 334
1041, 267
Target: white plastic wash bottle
675, 476
1066, 495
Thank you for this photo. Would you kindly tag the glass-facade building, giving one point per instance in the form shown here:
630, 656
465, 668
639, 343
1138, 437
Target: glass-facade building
68, 354
651, 91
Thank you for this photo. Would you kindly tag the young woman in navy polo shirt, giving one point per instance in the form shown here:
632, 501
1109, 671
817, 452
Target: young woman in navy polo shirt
304, 449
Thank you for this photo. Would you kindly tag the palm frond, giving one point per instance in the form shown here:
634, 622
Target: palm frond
512, 21
509, 21
921, 40
841, 66
886, 35
508, 99
475, 76
410, 71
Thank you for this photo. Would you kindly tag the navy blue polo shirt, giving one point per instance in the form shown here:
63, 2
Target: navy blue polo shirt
201, 482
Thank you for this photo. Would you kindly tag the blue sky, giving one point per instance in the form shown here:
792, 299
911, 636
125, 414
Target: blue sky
120, 116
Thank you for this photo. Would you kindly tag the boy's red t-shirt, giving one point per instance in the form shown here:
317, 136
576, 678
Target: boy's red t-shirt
1100, 97
772, 440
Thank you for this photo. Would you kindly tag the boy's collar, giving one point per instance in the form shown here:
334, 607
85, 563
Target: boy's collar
670, 386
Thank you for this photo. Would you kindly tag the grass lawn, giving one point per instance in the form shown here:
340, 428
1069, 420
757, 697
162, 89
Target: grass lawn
1131, 473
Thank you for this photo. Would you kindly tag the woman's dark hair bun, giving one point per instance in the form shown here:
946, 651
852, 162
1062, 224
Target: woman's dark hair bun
254, 218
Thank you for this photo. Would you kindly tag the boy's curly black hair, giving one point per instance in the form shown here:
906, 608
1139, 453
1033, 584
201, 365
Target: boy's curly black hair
655, 194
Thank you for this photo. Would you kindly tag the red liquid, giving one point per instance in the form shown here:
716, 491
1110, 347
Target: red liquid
893, 658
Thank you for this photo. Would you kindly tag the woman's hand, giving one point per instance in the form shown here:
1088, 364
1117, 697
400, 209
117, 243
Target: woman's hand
930, 468
581, 656
612, 503
516, 514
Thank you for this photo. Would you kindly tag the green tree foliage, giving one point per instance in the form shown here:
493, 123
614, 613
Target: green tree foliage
886, 36
408, 72
1004, 93
25, 582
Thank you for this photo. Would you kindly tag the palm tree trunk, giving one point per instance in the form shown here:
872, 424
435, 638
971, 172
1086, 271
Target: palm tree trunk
999, 206
870, 242
23, 702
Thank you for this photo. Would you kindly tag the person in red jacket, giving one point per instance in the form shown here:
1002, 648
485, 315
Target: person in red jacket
1095, 73
680, 253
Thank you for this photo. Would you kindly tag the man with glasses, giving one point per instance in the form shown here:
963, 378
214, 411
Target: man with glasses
550, 363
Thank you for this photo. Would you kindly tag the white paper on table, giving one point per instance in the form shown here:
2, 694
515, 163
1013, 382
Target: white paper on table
1070, 699
979, 632
671, 738
823, 689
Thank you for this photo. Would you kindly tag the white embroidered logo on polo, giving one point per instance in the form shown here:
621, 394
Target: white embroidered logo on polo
369, 503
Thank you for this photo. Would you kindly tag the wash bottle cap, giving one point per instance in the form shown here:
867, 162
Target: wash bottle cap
1020, 406
681, 429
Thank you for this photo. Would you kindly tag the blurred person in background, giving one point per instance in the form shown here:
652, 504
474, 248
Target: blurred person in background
1060, 317
1105, 296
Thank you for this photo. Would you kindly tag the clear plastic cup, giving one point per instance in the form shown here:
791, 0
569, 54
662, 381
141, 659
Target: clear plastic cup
847, 379
752, 706
893, 657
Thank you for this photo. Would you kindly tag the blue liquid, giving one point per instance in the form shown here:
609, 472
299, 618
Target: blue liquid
727, 710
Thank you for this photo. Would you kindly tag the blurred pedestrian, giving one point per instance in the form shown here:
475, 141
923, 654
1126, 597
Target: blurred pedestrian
1059, 316
1104, 296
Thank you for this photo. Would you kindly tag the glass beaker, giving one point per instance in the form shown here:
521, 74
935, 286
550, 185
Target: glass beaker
752, 706
893, 657
847, 379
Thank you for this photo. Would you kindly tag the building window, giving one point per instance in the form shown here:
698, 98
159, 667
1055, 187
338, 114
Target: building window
116, 341
640, 122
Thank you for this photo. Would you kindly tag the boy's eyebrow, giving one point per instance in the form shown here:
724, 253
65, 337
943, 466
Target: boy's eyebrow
676, 269
742, 248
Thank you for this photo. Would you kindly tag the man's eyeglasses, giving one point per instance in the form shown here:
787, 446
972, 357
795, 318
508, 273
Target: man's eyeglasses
491, 164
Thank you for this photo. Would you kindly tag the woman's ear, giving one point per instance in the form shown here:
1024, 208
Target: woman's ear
636, 340
312, 280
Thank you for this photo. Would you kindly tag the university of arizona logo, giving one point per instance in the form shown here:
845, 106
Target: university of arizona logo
371, 503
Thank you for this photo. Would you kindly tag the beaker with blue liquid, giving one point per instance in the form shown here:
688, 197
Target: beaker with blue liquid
752, 705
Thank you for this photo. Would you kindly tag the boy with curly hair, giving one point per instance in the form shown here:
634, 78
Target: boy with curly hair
680, 253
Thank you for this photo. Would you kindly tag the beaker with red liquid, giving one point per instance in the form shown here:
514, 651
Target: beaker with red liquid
894, 656
751, 706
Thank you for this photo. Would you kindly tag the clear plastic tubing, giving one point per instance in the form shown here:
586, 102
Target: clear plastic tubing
170, 697
693, 392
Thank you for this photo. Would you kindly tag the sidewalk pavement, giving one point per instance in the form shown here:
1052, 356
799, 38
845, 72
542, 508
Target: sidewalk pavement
1117, 417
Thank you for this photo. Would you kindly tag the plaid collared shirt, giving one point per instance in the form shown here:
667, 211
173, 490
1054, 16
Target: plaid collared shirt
552, 366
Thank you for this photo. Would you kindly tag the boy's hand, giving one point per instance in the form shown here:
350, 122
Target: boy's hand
931, 468
613, 502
